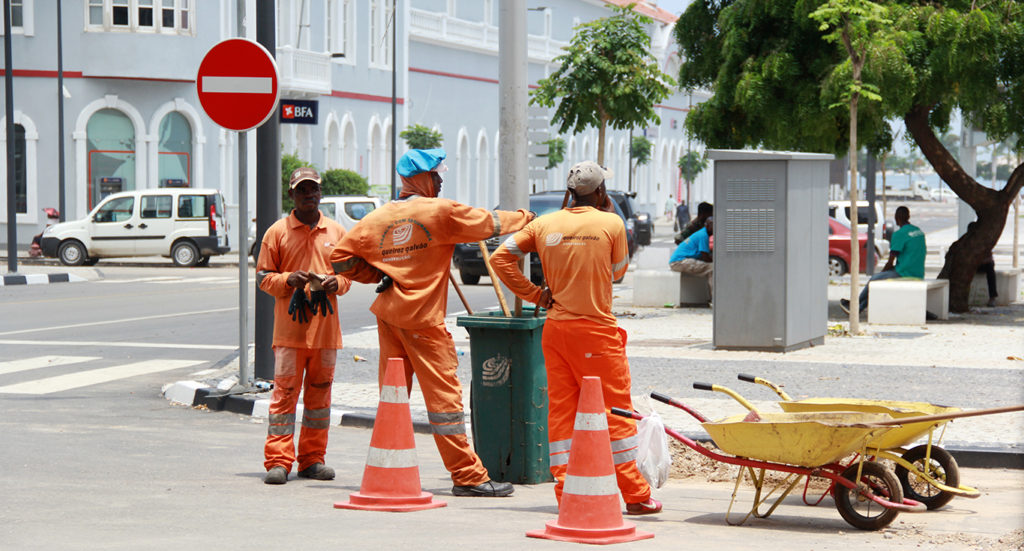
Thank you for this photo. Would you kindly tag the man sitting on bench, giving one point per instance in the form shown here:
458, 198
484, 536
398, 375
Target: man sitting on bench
906, 257
693, 256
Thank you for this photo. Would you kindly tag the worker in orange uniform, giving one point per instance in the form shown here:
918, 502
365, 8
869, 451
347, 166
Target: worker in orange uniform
583, 249
295, 254
407, 246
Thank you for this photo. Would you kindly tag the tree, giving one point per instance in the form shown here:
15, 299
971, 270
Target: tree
855, 25
690, 166
607, 76
774, 80
640, 154
339, 181
556, 152
418, 136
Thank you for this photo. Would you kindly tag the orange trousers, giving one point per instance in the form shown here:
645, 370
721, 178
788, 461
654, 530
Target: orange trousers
312, 372
430, 354
574, 349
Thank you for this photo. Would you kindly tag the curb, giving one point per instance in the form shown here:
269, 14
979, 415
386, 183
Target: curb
256, 405
39, 279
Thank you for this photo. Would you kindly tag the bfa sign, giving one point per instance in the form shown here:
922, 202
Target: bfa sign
295, 111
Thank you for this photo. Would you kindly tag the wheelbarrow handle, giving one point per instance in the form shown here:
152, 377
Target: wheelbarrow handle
703, 386
676, 403
626, 413
747, 378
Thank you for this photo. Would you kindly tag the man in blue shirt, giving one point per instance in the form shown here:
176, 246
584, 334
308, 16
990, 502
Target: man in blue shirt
906, 256
693, 255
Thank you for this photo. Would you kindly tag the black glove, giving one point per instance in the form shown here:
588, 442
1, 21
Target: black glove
385, 283
319, 300
297, 307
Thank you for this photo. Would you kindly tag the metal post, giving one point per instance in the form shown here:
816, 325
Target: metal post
268, 197
869, 176
61, 194
12, 210
513, 193
969, 162
394, 91
245, 377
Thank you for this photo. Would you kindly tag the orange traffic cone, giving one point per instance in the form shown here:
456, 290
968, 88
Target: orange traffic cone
590, 511
391, 480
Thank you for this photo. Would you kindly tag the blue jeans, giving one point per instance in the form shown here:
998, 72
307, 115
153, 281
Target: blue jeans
888, 274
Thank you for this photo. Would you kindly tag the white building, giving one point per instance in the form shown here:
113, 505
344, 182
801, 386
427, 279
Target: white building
132, 118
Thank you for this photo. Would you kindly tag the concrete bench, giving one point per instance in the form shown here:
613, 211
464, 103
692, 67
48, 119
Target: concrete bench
904, 301
1007, 286
661, 287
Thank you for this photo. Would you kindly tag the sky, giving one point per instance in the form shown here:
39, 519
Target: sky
674, 6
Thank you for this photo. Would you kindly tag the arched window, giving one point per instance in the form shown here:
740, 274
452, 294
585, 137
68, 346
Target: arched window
375, 154
348, 148
304, 142
333, 146
174, 161
483, 171
110, 147
464, 188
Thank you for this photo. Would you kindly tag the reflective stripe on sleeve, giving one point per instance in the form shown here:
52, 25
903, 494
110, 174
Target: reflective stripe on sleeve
391, 459
513, 247
620, 265
261, 275
344, 265
497, 224
590, 485
392, 395
591, 421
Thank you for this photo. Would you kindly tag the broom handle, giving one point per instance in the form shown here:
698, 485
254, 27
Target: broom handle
494, 279
459, 291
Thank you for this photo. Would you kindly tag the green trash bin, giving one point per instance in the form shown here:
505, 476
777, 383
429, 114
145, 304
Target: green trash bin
509, 395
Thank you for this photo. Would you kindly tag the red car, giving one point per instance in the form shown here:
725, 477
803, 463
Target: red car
839, 248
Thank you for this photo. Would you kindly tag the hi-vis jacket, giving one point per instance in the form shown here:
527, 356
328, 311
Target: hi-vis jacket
412, 241
572, 241
290, 246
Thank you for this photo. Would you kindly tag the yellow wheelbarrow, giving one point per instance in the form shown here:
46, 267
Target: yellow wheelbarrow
802, 445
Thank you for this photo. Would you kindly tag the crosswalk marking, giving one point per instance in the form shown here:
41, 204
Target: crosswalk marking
26, 364
108, 344
71, 381
174, 280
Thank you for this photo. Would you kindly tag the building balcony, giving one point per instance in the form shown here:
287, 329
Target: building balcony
443, 29
304, 73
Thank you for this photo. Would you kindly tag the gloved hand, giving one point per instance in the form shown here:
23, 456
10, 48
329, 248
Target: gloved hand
297, 307
385, 283
318, 297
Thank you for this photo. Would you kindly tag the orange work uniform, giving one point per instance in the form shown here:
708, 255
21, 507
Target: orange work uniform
582, 250
304, 353
411, 241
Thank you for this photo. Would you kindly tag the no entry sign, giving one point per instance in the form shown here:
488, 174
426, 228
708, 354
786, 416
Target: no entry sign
237, 84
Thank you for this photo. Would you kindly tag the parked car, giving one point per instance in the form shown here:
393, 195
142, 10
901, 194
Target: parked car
840, 210
346, 210
469, 260
186, 224
642, 222
839, 249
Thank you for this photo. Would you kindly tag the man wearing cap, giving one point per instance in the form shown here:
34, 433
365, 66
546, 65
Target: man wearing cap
407, 246
295, 253
582, 250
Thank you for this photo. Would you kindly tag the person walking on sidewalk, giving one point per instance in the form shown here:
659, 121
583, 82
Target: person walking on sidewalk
906, 257
693, 255
407, 246
583, 249
294, 254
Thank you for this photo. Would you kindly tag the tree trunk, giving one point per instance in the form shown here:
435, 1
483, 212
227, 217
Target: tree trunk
991, 207
854, 220
600, 136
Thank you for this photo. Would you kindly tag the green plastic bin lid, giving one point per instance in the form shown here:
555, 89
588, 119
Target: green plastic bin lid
497, 320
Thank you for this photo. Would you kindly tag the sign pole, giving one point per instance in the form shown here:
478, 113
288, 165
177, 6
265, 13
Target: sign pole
245, 377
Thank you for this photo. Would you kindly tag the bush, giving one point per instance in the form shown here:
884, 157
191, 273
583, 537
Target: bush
339, 181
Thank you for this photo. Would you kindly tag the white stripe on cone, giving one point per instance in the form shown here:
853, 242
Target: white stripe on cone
394, 395
391, 459
591, 421
591, 485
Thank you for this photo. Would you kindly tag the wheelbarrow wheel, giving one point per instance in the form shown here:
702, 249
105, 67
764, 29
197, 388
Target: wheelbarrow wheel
942, 467
860, 511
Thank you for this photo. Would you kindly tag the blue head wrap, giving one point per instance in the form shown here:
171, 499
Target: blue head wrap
416, 161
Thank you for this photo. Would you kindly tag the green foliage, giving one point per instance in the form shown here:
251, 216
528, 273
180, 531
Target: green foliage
556, 152
418, 136
640, 150
339, 181
607, 76
289, 162
692, 164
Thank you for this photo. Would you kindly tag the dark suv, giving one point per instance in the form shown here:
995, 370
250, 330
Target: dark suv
642, 222
469, 261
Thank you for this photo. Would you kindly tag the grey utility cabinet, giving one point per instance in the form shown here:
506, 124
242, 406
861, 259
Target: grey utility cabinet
771, 249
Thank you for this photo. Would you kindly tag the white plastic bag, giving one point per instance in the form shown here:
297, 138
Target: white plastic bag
653, 457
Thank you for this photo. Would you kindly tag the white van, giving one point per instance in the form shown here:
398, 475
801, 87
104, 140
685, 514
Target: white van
186, 224
347, 210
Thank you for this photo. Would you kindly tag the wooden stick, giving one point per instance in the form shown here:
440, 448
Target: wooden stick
519, 301
459, 291
494, 279
944, 416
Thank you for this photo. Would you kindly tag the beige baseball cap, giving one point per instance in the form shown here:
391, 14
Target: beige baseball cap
302, 174
586, 177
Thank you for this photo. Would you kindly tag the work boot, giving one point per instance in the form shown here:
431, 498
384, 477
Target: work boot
317, 471
276, 475
844, 304
487, 489
648, 507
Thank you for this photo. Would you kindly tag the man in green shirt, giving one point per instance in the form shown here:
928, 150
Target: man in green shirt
906, 256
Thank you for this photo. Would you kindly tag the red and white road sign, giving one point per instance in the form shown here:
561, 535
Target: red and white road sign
237, 84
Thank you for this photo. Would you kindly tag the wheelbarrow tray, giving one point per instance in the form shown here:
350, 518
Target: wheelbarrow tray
806, 439
897, 437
